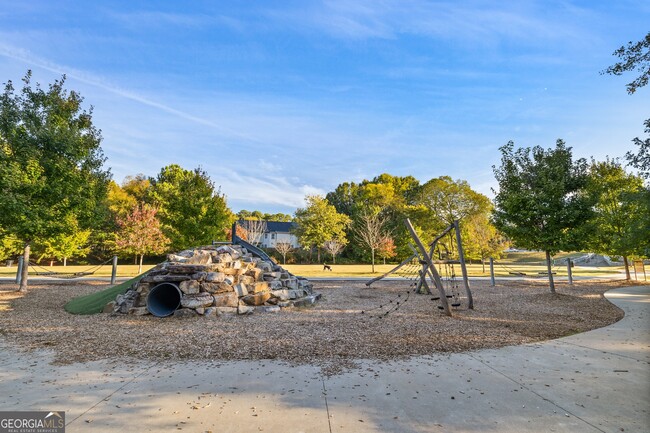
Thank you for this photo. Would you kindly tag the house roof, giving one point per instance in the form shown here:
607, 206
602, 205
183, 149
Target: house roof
273, 226
279, 226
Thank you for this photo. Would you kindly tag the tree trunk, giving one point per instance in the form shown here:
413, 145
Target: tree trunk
25, 274
284, 259
483, 263
51, 263
333, 259
550, 272
627, 268
140, 267
372, 253
318, 254
65, 261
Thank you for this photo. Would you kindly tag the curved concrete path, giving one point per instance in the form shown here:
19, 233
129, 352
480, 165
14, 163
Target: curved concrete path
598, 381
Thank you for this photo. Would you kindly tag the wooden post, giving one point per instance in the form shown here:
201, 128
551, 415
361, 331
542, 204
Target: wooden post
470, 300
114, 271
233, 233
432, 267
19, 272
549, 268
569, 271
24, 275
423, 281
492, 280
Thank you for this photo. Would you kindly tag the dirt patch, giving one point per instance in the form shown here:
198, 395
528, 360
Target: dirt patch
333, 333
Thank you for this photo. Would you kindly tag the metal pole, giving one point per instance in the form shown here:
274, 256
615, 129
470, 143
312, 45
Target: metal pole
569, 271
492, 280
114, 271
470, 300
19, 272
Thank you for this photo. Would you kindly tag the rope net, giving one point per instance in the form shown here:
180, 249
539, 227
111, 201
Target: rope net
44, 272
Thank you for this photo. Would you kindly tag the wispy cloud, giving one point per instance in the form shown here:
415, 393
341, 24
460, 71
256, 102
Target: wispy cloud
474, 21
269, 190
151, 18
94, 80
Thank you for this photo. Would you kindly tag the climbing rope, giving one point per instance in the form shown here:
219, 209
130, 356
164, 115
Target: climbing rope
66, 275
411, 273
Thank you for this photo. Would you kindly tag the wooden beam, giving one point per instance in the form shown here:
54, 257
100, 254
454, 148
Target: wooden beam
463, 268
434, 271
391, 271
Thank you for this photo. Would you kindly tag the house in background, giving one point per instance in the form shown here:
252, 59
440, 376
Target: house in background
276, 232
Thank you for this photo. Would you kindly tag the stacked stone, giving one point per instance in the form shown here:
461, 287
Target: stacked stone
217, 280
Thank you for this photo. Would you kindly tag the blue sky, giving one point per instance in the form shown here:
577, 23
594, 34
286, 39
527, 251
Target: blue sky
276, 100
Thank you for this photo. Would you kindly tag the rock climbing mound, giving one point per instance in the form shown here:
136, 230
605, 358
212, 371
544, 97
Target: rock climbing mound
214, 280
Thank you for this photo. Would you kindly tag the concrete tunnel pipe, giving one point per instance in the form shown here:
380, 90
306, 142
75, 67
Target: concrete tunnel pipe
164, 299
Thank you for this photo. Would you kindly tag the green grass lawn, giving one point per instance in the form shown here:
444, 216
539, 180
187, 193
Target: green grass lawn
501, 269
104, 271
529, 263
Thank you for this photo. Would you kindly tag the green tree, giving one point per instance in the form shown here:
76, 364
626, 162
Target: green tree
118, 201
140, 233
10, 245
191, 211
481, 239
257, 215
446, 201
137, 187
50, 163
542, 202
395, 196
617, 212
319, 222
635, 56
64, 245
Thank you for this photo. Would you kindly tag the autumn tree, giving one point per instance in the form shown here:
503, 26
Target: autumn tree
318, 223
369, 231
50, 163
255, 229
334, 247
247, 215
386, 248
542, 202
240, 232
140, 233
283, 248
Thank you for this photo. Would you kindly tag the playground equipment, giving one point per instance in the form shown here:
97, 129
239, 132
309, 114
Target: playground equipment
428, 273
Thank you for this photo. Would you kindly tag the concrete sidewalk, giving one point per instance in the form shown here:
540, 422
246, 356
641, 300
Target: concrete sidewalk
597, 381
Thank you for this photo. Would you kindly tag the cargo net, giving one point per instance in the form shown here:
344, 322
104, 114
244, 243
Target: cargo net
411, 272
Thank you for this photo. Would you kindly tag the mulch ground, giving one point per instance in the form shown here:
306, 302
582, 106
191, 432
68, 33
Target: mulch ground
333, 334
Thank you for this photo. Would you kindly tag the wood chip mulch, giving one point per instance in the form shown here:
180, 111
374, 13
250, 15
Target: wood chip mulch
333, 334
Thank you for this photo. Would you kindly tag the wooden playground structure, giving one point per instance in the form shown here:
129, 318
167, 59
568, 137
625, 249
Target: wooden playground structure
428, 275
